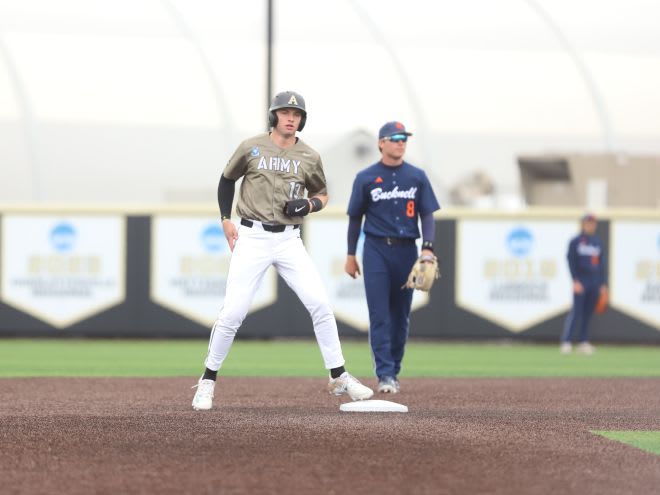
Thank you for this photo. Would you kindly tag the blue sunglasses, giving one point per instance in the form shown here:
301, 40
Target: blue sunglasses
397, 138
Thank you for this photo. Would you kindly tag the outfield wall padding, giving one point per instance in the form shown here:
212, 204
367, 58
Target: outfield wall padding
441, 316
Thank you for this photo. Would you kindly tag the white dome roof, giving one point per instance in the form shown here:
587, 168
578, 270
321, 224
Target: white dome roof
164, 90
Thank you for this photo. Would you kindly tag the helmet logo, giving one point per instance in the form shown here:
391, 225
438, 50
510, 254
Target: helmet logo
292, 100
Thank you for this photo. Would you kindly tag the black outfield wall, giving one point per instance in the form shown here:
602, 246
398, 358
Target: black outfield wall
138, 316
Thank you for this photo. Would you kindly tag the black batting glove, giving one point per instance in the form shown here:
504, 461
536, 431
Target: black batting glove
297, 208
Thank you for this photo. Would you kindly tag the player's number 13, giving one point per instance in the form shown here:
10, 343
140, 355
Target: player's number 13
294, 190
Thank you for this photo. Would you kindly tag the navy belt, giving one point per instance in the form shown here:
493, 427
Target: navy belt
266, 227
393, 241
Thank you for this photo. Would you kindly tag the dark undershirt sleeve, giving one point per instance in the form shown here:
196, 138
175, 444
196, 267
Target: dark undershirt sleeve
226, 188
603, 264
354, 224
572, 259
428, 227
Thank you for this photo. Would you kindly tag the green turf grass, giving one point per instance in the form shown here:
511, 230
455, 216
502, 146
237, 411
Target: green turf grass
90, 357
644, 440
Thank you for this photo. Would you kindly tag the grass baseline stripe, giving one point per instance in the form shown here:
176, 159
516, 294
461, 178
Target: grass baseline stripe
116, 357
648, 441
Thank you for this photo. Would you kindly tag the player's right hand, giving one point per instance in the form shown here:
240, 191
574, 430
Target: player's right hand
352, 267
231, 233
577, 287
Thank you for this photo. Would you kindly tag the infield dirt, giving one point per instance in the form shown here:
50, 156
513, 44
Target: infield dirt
287, 435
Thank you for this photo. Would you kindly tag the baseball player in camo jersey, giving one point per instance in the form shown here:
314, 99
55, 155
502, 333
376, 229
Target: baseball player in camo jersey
277, 169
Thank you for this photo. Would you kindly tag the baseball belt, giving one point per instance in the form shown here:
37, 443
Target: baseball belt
266, 227
393, 241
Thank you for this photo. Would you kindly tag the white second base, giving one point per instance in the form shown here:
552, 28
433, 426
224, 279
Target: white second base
373, 406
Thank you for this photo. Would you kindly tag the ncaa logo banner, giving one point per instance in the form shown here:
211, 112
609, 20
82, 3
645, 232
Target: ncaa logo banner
514, 273
635, 269
189, 266
63, 269
347, 295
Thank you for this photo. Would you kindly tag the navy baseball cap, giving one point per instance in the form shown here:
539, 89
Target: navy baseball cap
588, 217
392, 128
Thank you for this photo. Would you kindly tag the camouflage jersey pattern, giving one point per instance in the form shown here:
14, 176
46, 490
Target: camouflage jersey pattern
272, 176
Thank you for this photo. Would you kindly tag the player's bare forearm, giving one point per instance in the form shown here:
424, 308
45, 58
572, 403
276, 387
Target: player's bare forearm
231, 234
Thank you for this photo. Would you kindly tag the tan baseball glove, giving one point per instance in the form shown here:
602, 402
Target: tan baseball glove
424, 272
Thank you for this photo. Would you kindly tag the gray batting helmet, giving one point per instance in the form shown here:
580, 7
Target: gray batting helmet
287, 99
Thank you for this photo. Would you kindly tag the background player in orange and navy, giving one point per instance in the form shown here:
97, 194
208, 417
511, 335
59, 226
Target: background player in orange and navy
586, 262
393, 196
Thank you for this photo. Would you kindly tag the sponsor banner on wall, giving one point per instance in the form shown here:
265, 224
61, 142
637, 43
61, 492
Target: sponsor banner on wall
189, 266
63, 269
325, 239
635, 269
514, 273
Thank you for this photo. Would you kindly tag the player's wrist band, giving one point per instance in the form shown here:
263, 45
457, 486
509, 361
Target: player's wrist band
427, 245
317, 204
225, 217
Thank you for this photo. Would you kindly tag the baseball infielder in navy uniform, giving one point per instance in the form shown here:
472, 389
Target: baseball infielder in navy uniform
393, 195
586, 262
278, 171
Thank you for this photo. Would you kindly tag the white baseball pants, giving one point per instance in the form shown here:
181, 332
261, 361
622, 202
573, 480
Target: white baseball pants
254, 252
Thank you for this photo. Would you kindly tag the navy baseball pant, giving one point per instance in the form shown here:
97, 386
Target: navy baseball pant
583, 308
386, 269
